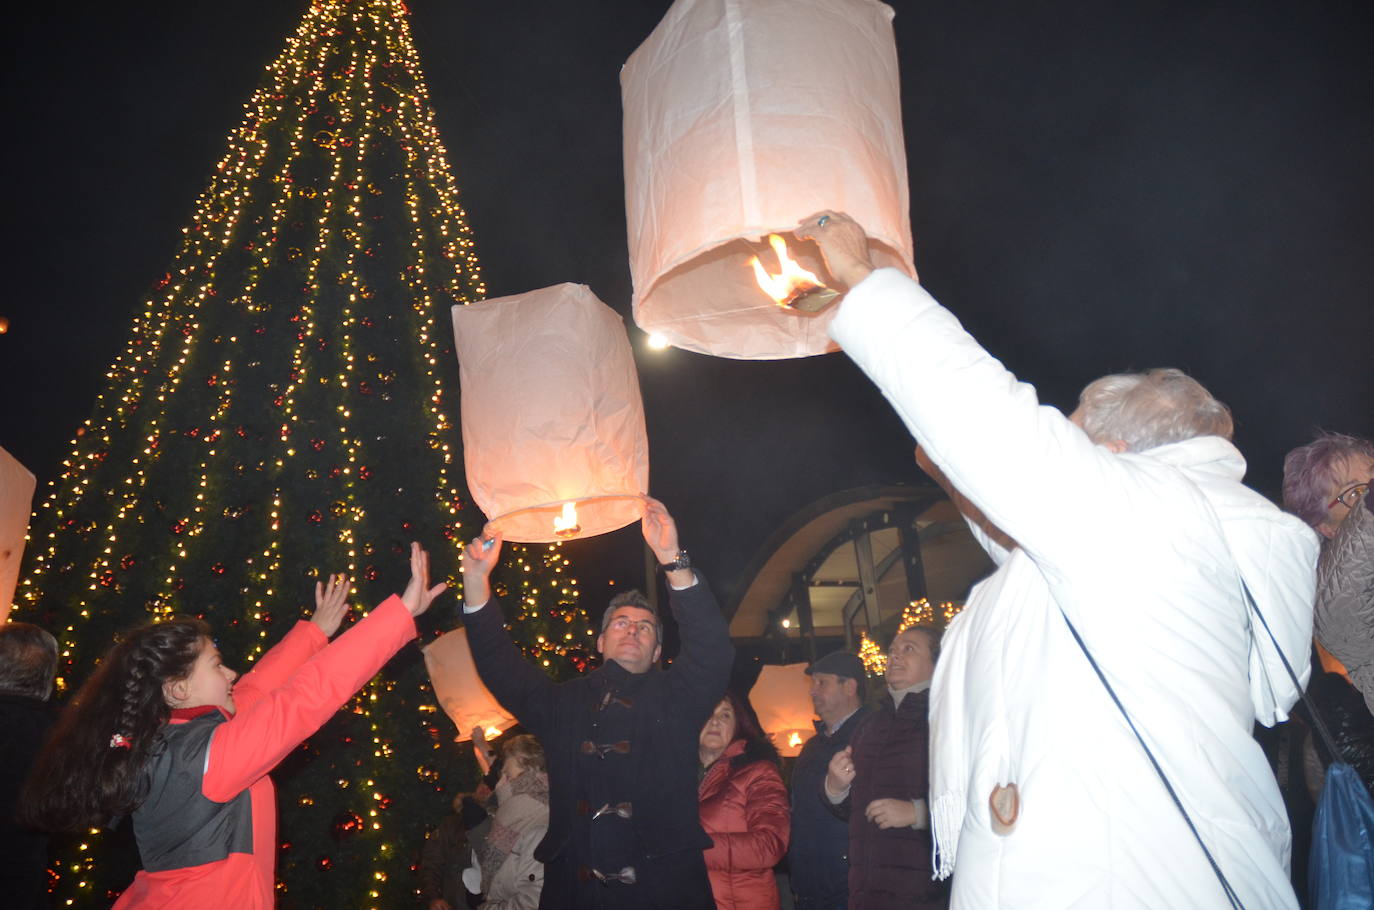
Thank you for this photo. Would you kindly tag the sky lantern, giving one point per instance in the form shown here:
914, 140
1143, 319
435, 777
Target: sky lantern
741, 118
459, 689
553, 424
782, 700
17, 484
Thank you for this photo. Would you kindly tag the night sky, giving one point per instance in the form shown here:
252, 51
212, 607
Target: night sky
1093, 190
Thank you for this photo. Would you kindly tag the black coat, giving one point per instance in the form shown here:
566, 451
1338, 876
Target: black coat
24, 724
818, 852
668, 711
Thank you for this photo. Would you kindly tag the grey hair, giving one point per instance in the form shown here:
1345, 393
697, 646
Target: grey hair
1151, 409
632, 598
1309, 470
28, 660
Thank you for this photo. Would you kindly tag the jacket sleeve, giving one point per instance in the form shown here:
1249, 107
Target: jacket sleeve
522, 689
1016, 460
768, 822
701, 669
443, 847
259, 736
274, 668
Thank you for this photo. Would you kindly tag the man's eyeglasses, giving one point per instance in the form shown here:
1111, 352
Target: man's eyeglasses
1350, 496
624, 624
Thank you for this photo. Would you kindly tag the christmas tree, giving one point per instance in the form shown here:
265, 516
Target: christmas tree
283, 409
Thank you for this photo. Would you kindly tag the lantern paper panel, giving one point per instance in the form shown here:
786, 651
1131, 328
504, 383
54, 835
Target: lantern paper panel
741, 118
782, 700
551, 414
459, 689
17, 484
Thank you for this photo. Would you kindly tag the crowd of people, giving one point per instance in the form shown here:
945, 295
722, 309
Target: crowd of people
1080, 735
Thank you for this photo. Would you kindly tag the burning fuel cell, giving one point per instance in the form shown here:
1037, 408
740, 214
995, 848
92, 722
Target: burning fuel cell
727, 140
792, 287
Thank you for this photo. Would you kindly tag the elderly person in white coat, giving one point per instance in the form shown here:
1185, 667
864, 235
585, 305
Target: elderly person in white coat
1128, 519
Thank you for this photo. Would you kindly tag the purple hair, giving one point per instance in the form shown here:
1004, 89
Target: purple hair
1308, 471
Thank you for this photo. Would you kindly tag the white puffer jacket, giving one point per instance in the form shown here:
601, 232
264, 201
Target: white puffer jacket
1142, 552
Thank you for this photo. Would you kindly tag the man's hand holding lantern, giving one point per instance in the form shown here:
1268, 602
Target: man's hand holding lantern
480, 556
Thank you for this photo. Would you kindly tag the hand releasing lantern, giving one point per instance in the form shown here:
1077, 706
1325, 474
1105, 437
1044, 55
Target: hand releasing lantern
742, 118
553, 425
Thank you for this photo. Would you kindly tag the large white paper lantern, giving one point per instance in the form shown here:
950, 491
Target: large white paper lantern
741, 118
782, 700
459, 689
551, 412
17, 484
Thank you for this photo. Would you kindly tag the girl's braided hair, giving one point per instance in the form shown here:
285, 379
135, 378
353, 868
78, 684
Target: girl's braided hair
91, 769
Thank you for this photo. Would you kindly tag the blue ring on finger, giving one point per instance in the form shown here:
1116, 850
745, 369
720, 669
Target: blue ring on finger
822, 221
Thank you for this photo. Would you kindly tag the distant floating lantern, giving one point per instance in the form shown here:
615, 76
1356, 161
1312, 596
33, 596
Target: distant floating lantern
4, 325
782, 700
459, 689
553, 423
17, 484
742, 118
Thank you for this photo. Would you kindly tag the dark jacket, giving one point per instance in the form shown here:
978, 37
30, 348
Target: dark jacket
669, 709
24, 724
818, 853
890, 868
744, 811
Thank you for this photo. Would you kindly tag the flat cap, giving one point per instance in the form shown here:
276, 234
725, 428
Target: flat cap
839, 663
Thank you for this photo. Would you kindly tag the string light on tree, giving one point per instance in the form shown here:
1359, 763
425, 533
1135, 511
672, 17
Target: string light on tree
282, 409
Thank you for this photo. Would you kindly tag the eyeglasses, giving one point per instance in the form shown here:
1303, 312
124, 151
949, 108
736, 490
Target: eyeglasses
1349, 496
624, 624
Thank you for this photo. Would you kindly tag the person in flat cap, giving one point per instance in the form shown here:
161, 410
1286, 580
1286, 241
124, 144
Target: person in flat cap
818, 852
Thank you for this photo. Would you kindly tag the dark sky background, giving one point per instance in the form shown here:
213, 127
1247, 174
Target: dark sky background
1093, 188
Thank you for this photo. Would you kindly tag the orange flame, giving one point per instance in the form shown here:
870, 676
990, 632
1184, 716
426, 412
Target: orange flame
788, 284
493, 732
565, 525
794, 740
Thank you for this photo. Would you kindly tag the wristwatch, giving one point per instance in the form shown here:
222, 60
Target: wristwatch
683, 561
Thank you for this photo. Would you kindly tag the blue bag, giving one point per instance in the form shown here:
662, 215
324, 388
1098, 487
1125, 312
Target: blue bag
1341, 867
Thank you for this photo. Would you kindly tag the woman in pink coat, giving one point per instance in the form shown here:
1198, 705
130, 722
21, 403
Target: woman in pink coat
744, 808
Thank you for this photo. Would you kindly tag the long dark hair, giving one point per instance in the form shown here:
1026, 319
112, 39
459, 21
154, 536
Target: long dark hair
757, 745
82, 778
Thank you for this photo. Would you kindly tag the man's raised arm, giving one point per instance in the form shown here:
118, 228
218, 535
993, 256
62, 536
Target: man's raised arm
520, 687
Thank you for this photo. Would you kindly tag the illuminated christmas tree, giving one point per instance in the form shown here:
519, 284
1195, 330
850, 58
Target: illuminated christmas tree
283, 409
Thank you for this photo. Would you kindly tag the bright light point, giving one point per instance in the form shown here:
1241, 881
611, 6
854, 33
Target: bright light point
787, 623
657, 342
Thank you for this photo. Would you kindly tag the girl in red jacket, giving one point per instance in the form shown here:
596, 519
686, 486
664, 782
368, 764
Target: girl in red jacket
744, 808
162, 731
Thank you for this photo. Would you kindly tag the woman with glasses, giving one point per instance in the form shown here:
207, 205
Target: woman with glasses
744, 808
1325, 483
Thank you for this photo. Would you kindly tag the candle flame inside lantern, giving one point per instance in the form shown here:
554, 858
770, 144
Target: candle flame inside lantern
791, 283
794, 740
565, 525
493, 732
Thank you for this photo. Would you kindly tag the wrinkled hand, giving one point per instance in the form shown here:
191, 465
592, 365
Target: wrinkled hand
418, 595
660, 531
840, 774
331, 604
891, 813
480, 556
842, 242
479, 735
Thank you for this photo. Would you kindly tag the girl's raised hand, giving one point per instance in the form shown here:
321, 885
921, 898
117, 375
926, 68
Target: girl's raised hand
418, 595
331, 604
